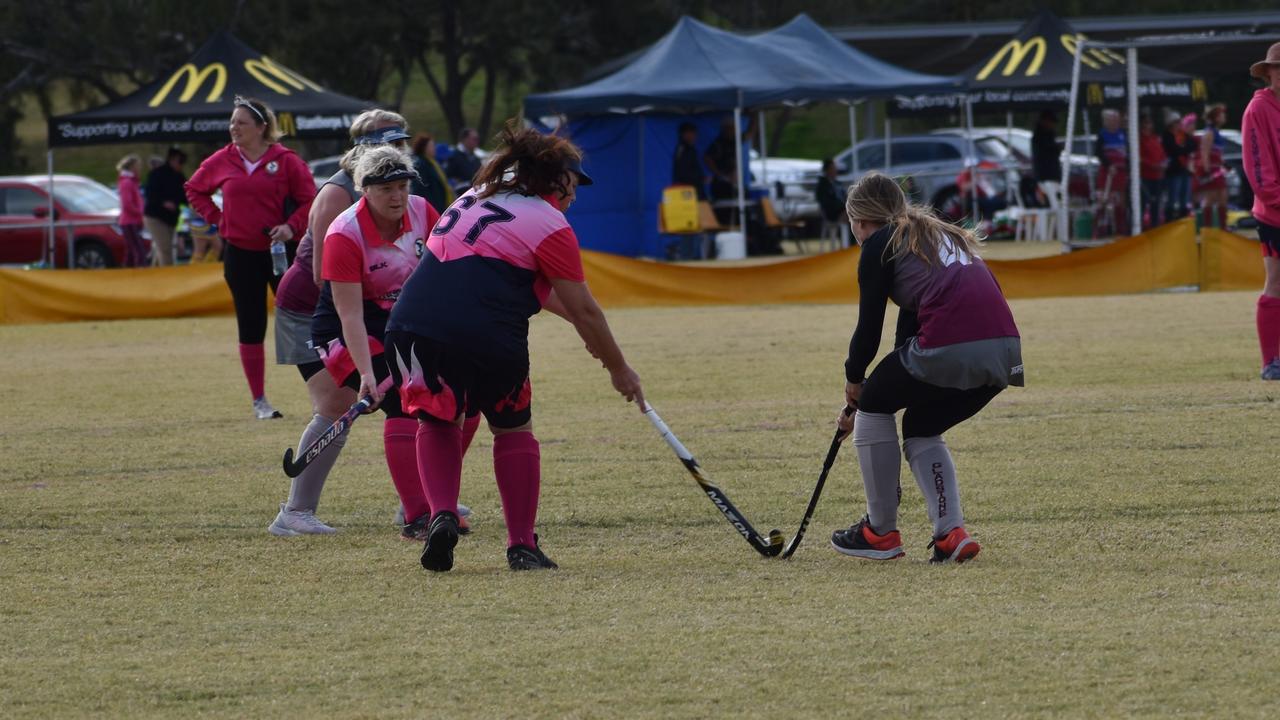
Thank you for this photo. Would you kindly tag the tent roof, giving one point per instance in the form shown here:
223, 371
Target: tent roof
1033, 68
194, 101
696, 67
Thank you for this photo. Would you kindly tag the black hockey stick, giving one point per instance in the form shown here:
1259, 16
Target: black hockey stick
817, 490
769, 547
294, 468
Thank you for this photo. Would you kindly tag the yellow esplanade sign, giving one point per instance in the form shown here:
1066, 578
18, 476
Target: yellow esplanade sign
263, 69
1017, 50
195, 79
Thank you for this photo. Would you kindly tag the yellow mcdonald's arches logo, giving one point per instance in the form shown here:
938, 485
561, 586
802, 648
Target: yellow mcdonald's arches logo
1092, 57
1199, 90
1016, 50
1093, 94
195, 79
263, 69
286, 123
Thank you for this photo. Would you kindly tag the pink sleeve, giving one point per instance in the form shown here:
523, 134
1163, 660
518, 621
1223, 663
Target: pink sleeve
200, 189
1260, 163
558, 256
342, 259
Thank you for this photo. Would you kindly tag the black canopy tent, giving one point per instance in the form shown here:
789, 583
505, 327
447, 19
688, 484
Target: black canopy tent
194, 101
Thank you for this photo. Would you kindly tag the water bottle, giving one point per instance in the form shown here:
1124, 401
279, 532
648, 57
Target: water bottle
279, 259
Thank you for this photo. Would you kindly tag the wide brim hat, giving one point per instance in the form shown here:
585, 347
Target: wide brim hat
1259, 69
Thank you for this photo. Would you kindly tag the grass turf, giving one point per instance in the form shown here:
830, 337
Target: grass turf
1125, 502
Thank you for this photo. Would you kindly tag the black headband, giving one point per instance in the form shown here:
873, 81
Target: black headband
395, 174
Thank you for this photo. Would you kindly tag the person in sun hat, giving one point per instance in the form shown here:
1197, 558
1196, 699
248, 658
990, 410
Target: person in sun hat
458, 335
1260, 129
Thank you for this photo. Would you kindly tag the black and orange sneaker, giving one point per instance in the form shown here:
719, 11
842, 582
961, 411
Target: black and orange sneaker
523, 557
861, 541
955, 546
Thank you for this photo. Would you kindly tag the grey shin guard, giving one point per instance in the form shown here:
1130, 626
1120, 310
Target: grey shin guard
304, 492
875, 436
935, 473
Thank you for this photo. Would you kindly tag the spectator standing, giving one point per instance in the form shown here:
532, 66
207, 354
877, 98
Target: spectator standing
1260, 128
828, 194
1046, 153
1151, 162
1211, 173
165, 194
463, 163
135, 250
1177, 144
686, 169
266, 194
1113, 153
431, 182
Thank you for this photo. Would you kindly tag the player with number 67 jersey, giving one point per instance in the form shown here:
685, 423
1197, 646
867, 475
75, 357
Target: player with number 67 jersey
458, 335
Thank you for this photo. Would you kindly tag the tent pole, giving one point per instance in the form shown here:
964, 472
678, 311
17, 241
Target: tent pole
1008, 129
973, 159
764, 152
853, 137
53, 244
742, 191
640, 164
888, 154
1135, 188
1064, 236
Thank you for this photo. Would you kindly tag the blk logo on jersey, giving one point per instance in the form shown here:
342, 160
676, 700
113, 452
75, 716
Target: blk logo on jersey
378, 266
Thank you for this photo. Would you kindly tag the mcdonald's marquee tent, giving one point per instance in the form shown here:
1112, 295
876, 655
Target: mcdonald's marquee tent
194, 101
1032, 71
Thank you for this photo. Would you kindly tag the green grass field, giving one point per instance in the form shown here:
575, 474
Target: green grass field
1125, 499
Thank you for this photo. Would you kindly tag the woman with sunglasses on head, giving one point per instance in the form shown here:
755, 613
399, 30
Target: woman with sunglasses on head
459, 334
956, 348
266, 194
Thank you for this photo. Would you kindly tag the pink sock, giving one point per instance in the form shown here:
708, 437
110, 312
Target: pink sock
251, 359
469, 432
1268, 327
517, 467
402, 460
440, 463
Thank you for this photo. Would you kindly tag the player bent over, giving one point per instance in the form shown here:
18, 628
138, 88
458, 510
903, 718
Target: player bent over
956, 348
459, 334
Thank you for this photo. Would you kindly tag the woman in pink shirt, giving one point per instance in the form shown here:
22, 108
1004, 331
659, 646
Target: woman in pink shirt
135, 250
1261, 130
266, 194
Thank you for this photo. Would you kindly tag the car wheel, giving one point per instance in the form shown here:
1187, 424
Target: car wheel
92, 255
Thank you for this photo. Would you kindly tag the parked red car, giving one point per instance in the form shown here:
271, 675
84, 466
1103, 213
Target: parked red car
92, 206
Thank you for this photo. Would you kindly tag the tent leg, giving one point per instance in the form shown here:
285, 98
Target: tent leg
853, 137
1064, 222
1135, 188
973, 160
764, 152
888, 152
742, 191
52, 250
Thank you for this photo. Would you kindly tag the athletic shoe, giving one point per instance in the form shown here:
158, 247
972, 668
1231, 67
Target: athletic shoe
464, 527
298, 522
263, 410
861, 541
416, 531
437, 556
1272, 370
955, 546
523, 557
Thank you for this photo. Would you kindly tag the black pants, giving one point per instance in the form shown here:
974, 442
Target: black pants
931, 409
248, 274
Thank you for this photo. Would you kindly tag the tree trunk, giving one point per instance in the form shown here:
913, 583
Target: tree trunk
490, 90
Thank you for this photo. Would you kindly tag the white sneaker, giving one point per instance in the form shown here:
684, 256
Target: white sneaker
263, 410
298, 522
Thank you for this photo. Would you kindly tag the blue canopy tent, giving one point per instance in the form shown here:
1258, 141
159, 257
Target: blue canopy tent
626, 123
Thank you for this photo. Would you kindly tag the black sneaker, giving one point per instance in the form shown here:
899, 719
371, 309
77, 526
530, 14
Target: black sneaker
416, 531
437, 556
863, 542
523, 557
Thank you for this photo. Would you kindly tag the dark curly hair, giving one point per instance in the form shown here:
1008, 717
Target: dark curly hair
527, 162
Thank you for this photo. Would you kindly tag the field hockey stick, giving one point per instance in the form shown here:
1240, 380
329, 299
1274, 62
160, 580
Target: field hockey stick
767, 547
817, 490
342, 424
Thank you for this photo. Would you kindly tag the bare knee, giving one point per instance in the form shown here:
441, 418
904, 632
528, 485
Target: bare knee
527, 427
329, 399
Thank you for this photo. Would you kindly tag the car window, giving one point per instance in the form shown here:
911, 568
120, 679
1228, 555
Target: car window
23, 201
871, 156
991, 149
944, 151
912, 153
85, 197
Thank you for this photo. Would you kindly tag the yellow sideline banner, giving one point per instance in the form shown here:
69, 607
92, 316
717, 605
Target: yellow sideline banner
41, 296
1160, 258
1229, 262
